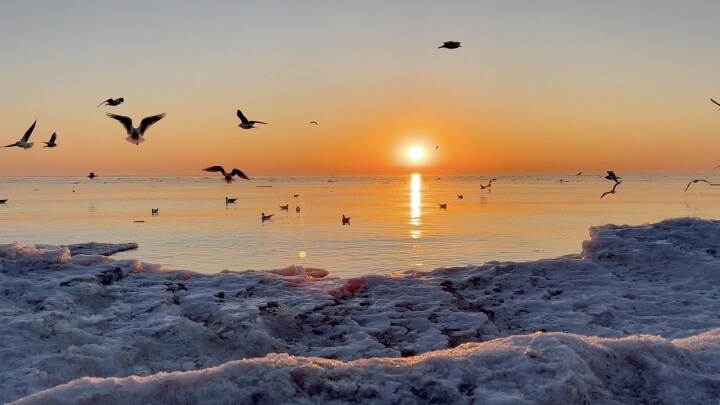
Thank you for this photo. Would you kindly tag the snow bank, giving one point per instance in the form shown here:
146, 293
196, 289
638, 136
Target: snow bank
64, 316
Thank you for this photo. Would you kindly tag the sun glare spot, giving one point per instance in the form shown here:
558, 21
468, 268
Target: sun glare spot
415, 153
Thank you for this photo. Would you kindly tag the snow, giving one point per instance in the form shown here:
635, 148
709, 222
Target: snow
632, 318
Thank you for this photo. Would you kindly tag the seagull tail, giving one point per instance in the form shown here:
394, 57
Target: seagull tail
136, 141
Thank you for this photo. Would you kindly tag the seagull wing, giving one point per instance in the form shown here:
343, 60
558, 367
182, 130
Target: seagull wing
29, 132
605, 193
242, 117
715, 102
148, 121
125, 121
53, 137
239, 174
616, 184
215, 169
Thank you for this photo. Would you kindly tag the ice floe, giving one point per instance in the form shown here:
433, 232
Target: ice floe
634, 315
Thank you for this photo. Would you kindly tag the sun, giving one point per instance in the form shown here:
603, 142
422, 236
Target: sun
415, 153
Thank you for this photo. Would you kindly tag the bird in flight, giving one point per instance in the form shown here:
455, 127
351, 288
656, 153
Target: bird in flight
23, 142
266, 217
92, 176
112, 102
51, 143
450, 45
312, 122
345, 220
612, 176
611, 191
135, 135
715, 102
245, 123
698, 180
578, 173
228, 176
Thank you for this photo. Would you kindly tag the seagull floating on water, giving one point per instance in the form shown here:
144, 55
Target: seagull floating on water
297, 209
51, 143
578, 173
611, 191
135, 135
345, 220
230, 200
154, 211
111, 102
443, 206
247, 124
228, 176
698, 180
450, 45
91, 176
3, 201
266, 217
284, 207
23, 142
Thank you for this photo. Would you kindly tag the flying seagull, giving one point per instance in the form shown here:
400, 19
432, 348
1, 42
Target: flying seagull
715, 102
92, 176
23, 142
612, 176
135, 135
697, 180
314, 122
228, 176
112, 102
52, 143
246, 124
450, 45
611, 191
578, 173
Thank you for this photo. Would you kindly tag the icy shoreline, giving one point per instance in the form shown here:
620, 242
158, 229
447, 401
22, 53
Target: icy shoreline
65, 316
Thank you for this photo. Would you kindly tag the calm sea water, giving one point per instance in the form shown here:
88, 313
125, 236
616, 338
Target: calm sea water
396, 222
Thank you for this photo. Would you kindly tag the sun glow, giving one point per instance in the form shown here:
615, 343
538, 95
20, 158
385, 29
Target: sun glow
416, 153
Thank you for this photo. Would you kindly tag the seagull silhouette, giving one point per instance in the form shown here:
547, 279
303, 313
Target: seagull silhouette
345, 220
230, 200
51, 143
611, 191
284, 207
92, 176
112, 102
612, 176
266, 217
450, 45
443, 206
715, 102
135, 135
245, 123
3, 201
228, 176
578, 173
703, 180
314, 122
23, 142
297, 209
460, 196
154, 211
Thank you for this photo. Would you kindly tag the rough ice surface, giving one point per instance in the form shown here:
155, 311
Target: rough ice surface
634, 318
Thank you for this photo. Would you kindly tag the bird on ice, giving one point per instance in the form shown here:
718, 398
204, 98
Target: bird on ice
345, 220
611, 191
51, 143
23, 142
228, 176
612, 176
92, 176
245, 123
450, 45
698, 180
111, 102
135, 135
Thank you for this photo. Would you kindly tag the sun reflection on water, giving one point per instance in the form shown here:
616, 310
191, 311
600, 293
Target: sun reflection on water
415, 196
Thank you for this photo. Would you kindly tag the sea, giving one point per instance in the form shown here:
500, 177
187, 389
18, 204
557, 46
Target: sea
396, 222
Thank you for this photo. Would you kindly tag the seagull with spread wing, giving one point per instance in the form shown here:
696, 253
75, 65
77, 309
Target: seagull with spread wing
611, 191
698, 180
23, 142
111, 102
245, 123
135, 135
51, 143
228, 176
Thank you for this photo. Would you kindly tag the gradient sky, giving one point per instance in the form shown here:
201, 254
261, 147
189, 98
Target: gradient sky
537, 87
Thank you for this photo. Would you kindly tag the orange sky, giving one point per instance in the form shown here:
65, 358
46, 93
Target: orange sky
551, 89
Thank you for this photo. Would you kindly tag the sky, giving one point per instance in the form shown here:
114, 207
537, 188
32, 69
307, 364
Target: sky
537, 87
